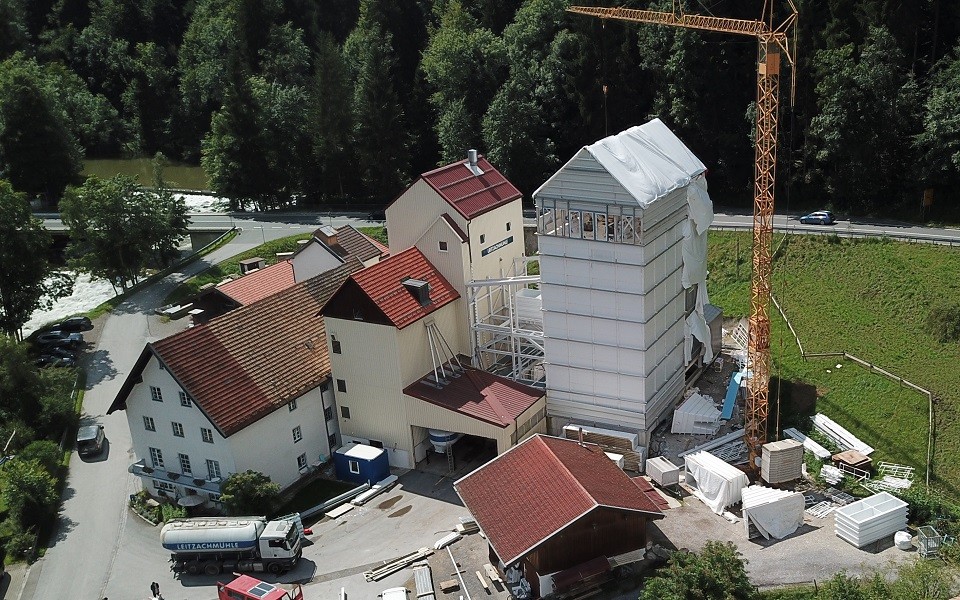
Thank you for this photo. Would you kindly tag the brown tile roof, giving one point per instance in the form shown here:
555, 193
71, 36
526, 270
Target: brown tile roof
259, 284
478, 394
383, 284
539, 487
472, 195
649, 491
245, 364
359, 244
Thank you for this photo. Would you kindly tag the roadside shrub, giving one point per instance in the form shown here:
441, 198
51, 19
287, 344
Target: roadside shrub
172, 511
927, 508
943, 322
21, 542
45, 452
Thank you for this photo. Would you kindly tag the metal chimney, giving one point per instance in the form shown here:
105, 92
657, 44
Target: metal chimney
472, 162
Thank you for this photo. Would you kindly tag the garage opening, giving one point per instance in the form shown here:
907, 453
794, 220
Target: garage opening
461, 453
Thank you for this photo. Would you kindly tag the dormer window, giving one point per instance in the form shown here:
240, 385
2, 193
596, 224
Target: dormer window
419, 289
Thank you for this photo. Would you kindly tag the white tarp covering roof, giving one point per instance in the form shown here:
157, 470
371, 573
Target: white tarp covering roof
717, 483
648, 160
775, 513
696, 415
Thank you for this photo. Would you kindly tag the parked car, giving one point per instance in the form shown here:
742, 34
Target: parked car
377, 215
75, 324
60, 352
50, 360
60, 338
820, 217
90, 440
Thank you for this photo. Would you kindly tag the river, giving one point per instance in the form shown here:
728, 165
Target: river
177, 175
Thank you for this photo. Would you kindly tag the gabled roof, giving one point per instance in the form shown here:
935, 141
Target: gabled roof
382, 284
647, 160
259, 284
359, 244
541, 486
478, 394
472, 195
245, 364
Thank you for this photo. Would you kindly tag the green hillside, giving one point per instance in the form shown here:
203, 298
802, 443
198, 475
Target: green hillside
870, 299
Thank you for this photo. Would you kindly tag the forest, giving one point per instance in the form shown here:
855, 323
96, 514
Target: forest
303, 102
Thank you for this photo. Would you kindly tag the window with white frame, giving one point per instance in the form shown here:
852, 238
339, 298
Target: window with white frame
342, 386
292, 405
185, 399
508, 225
443, 246
297, 434
328, 413
155, 394
354, 466
302, 461
206, 435
185, 464
156, 458
177, 429
213, 469
148, 423
214, 497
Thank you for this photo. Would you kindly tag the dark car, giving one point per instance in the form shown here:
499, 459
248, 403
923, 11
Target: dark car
50, 360
90, 440
60, 352
59, 338
75, 324
820, 217
377, 215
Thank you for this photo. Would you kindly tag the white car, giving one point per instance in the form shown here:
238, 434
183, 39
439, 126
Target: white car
397, 593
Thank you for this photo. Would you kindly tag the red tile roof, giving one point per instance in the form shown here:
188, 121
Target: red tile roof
539, 487
245, 364
259, 284
472, 195
478, 394
651, 493
383, 284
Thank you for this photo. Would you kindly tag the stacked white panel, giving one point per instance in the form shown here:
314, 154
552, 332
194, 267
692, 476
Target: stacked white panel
781, 461
870, 519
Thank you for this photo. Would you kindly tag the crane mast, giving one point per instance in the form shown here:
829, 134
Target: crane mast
773, 42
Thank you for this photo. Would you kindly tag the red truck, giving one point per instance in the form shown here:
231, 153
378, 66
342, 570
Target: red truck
245, 587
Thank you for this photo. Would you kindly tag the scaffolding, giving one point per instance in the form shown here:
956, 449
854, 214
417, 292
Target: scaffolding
507, 325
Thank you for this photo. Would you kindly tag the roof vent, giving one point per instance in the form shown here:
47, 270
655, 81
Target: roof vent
420, 290
472, 163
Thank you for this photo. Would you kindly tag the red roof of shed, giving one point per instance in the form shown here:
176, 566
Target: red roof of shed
478, 394
539, 487
383, 284
472, 195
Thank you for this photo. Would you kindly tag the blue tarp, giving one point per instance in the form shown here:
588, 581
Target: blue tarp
732, 388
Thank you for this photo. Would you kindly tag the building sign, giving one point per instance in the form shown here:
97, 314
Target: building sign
496, 246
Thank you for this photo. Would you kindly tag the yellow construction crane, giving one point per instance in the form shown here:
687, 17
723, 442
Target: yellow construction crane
773, 40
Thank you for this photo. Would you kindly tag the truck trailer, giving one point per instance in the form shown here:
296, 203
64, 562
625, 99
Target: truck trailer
212, 545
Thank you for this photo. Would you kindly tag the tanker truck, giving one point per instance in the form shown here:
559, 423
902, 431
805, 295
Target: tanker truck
211, 545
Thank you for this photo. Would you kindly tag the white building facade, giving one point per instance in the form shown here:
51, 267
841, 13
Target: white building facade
622, 239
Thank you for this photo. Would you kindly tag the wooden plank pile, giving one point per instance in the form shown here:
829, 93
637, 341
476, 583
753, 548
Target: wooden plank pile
392, 566
609, 441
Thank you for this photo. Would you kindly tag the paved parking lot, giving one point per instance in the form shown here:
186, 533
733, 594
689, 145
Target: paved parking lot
421, 509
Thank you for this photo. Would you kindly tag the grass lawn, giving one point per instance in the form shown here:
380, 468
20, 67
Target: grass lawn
870, 299
377, 233
231, 266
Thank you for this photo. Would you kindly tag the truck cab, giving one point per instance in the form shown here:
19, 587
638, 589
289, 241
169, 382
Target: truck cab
245, 587
281, 540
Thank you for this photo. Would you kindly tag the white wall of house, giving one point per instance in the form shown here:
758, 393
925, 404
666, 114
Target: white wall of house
163, 415
312, 260
268, 445
413, 213
501, 244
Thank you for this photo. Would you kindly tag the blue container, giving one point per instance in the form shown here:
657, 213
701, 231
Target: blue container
359, 463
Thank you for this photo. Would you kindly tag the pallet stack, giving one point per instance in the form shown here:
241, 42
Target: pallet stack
616, 442
781, 461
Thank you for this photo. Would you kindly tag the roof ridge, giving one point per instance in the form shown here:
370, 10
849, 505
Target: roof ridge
568, 471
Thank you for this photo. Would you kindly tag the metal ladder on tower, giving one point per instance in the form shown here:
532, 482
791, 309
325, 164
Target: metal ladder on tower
450, 462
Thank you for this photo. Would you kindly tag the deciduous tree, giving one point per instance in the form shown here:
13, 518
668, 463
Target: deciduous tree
26, 281
717, 572
117, 228
29, 491
249, 493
